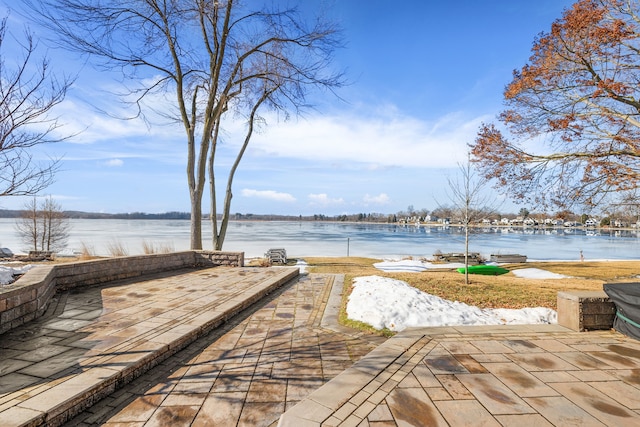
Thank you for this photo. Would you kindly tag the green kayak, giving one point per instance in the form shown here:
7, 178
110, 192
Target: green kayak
487, 270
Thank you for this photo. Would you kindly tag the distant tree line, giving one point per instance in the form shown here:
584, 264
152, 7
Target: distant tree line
7, 213
625, 213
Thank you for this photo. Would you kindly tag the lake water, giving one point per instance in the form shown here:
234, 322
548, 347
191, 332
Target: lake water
341, 239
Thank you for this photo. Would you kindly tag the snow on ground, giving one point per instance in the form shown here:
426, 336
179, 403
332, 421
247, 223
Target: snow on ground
389, 303
536, 273
7, 273
302, 266
411, 266
416, 266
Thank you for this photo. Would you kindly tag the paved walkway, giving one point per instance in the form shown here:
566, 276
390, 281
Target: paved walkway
248, 374
287, 361
93, 340
484, 376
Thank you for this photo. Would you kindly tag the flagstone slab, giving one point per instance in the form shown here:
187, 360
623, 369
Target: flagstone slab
519, 380
412, 407
466, 413
494, 395
597, 404
560, 411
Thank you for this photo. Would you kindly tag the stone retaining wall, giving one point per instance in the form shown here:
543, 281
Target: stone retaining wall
29, 296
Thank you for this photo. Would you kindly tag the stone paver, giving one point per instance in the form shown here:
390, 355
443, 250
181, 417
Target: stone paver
486, 376
247, 375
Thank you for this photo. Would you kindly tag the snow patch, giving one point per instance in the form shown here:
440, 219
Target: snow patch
7, 273
389, 303
302, 266
536, 273
413, 266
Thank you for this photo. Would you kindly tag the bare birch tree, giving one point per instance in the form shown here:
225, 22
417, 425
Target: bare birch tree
28, 94
220, 59
44, 227
469, 202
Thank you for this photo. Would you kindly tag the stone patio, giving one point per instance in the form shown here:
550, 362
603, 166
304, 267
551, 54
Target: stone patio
192, 349
489, 376
95, 339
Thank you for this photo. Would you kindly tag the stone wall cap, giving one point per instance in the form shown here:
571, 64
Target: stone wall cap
582, 295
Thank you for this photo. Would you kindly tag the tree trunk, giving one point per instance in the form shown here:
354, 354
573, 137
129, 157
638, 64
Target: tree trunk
466, 254
34, 220
218, 237
196, 177
213, 216
227, 206
196, 222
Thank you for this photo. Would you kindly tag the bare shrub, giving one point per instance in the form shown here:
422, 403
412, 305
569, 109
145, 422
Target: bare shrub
117, 248
149, 248
87, 251
259, 262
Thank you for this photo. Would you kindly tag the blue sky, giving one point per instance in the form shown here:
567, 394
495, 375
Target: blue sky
424, 74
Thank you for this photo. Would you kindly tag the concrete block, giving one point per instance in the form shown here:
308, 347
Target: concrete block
585, 310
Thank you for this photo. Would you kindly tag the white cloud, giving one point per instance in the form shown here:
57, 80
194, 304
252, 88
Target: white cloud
380, 199
324, 200
375, 139
106, 117
357, 139
379, 139
114, 163
268, 194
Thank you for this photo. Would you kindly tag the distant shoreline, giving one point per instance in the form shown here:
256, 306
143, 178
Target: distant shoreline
332, 238
185, 216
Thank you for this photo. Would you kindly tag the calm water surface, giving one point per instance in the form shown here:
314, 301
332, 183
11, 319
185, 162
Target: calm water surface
341, 239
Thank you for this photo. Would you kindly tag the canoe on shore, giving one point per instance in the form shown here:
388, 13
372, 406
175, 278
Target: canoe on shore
487, 270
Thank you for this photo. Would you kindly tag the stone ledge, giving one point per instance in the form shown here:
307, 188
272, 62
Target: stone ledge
585, 310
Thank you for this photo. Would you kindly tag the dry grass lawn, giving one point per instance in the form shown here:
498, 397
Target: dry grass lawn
506, 291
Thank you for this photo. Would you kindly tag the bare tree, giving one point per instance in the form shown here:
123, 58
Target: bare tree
222, 60
570, 133
470, 203
44, 227
28, 94
27, 225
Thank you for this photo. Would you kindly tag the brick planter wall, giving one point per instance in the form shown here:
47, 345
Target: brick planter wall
29, 296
